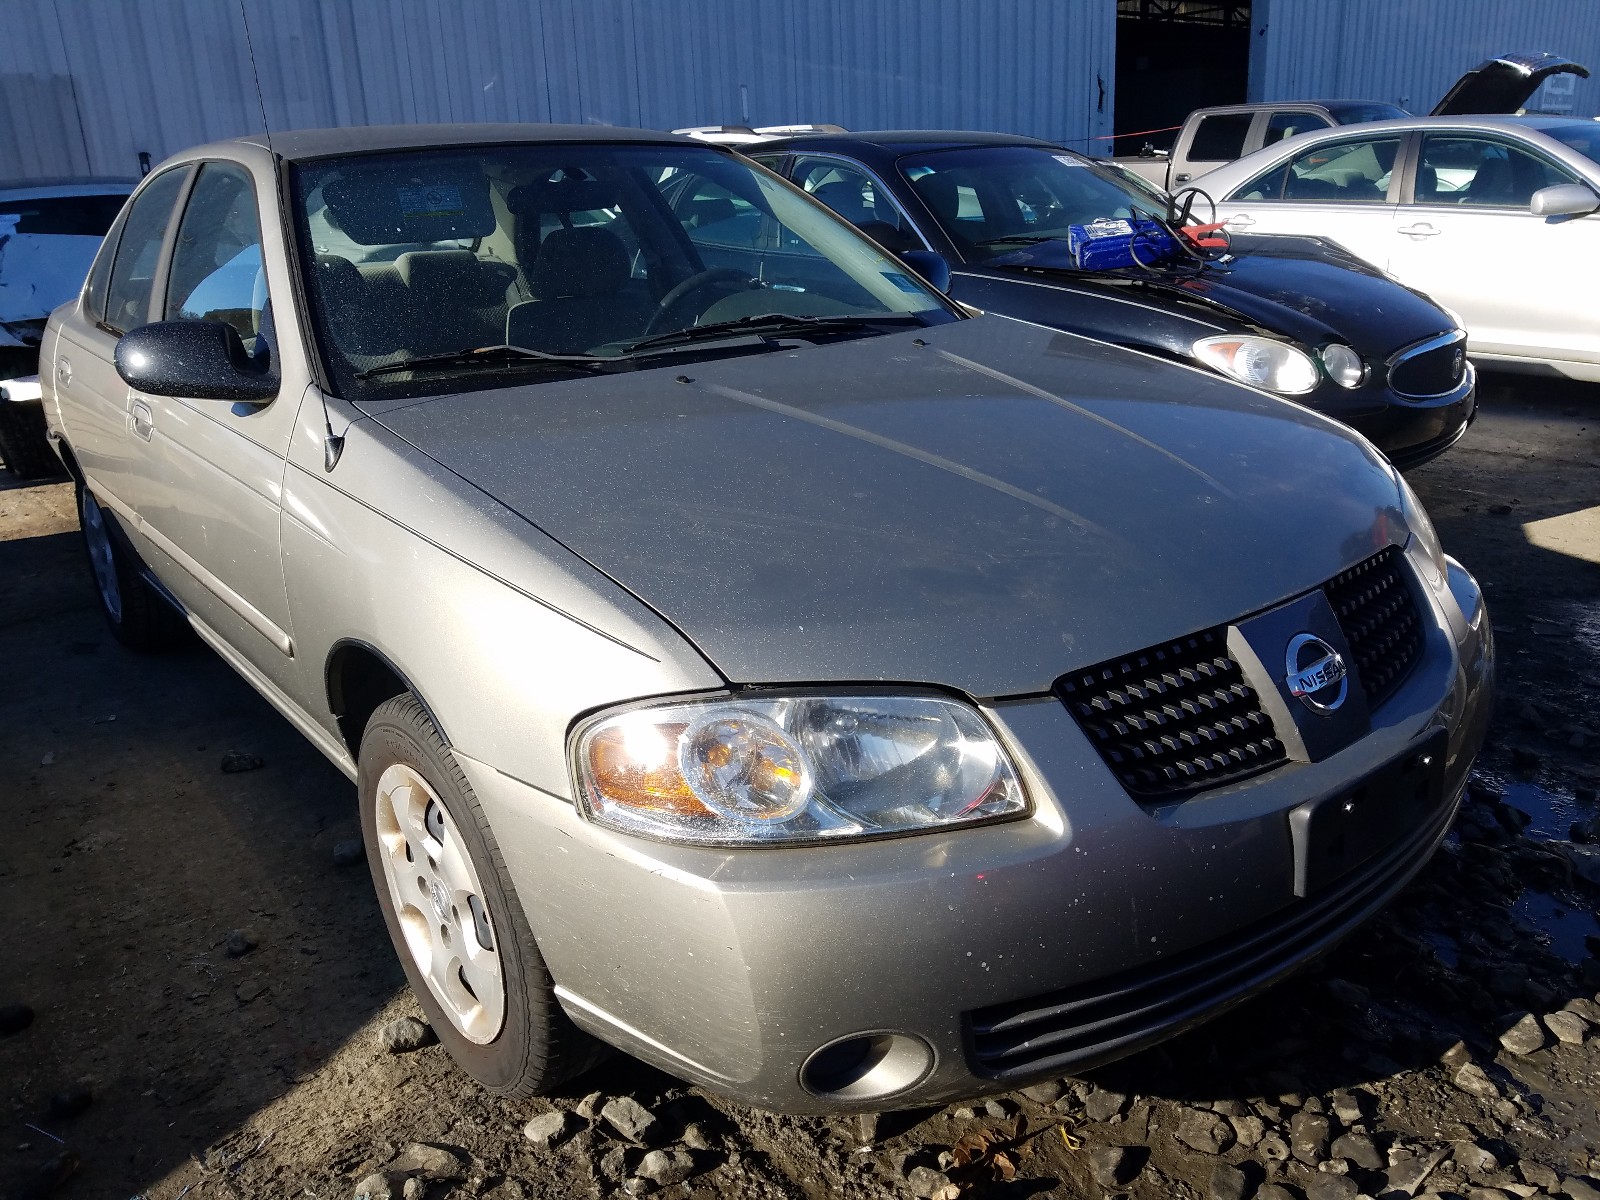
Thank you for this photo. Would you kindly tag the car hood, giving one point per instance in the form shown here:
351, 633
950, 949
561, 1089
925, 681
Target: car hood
1305, 287
1503, 85
984, 504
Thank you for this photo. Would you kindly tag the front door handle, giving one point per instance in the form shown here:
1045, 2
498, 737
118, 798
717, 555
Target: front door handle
1240, 221
142, 419
1420, 230
64, 371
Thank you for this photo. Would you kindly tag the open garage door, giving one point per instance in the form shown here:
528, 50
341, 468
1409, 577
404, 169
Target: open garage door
1174, 56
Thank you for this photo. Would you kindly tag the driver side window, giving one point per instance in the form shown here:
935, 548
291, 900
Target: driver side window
216, 266
858, 198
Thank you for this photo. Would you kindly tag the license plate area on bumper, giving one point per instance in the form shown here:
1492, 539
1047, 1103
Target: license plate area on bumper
1334, 834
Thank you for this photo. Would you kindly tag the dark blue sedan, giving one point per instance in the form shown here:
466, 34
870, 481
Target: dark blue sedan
1295, 316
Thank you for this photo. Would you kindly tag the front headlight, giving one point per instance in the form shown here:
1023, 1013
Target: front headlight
1344, 365
1416, 519
1261, 362
770, 770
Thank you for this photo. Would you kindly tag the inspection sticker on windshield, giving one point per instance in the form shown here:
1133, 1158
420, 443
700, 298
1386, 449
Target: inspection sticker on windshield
900, 281
438, 200
1066, 160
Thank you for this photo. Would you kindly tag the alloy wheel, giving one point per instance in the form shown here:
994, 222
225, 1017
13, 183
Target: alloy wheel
439, 902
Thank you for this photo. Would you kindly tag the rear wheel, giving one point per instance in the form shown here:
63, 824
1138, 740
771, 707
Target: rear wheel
453, 914
23, 445
139, 616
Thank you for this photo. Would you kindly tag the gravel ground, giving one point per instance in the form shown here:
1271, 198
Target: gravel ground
213, 997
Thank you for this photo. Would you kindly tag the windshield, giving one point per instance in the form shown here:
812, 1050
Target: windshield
1582, 136
574, 251
982, 194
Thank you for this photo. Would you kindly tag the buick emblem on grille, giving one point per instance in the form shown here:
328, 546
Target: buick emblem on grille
1315, 673
1458, 363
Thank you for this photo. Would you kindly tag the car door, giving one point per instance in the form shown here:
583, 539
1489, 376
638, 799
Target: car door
94, 404
213, 497
1466, 237
1345, 189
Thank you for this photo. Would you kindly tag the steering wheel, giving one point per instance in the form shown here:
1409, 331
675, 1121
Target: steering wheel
696, 282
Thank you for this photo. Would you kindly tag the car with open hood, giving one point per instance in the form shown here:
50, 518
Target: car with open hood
759, 664
1213, 137
1014, 218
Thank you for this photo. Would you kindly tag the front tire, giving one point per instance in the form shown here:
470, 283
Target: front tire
453, 914
139, 616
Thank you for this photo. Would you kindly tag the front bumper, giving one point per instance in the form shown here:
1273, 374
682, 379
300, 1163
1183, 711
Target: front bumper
1409, 431
731, 967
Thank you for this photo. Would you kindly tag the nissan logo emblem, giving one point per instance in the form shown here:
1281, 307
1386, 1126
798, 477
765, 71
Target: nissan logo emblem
1315, 673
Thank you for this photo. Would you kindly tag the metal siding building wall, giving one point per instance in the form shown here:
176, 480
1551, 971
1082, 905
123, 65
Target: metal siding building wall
1409, 52
87, 84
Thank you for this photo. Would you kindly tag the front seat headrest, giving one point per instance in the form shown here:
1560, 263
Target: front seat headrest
579, 262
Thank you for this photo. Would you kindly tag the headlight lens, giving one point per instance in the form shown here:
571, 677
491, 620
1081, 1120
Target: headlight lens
1416, 519
1344, 365
794, 769
1260, 362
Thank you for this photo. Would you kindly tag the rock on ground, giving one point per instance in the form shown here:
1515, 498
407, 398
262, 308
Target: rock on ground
1524, 1037
548, 1129
631, 1120
1204, 1131
430, 1162
665, 1167
404, 1034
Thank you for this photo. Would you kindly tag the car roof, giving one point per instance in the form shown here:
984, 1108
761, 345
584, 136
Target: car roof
297, 144
36, 189
903, 141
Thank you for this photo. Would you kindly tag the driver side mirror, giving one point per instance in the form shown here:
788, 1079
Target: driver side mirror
930, 266
1563, 200
204, 360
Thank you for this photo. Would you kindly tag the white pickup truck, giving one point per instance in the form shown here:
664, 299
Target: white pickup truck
1212, 137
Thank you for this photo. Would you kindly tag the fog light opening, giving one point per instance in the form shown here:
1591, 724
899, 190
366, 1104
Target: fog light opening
867, 1066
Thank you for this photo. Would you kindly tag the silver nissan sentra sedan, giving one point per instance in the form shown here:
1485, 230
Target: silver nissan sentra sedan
747, 657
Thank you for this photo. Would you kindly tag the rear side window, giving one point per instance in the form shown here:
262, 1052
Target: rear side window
1282, 125
1353, 172
133, 271
1220, 137
68, 216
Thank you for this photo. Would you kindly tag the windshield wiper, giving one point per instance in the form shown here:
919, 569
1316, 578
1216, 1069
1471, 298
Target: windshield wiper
762, 324
1022, 239
491, 356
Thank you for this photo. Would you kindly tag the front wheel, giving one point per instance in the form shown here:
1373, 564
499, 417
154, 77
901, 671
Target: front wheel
452, 912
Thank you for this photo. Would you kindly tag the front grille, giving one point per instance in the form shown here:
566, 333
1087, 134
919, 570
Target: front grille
1175, 718
1076, 1028
1377, 610
1430, 368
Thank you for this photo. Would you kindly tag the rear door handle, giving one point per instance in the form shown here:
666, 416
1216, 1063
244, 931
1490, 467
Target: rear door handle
1182, 177
1420, 230
63, 371
1240, 221
142, 420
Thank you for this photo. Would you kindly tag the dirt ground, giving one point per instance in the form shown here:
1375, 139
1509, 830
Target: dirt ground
159, 1066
